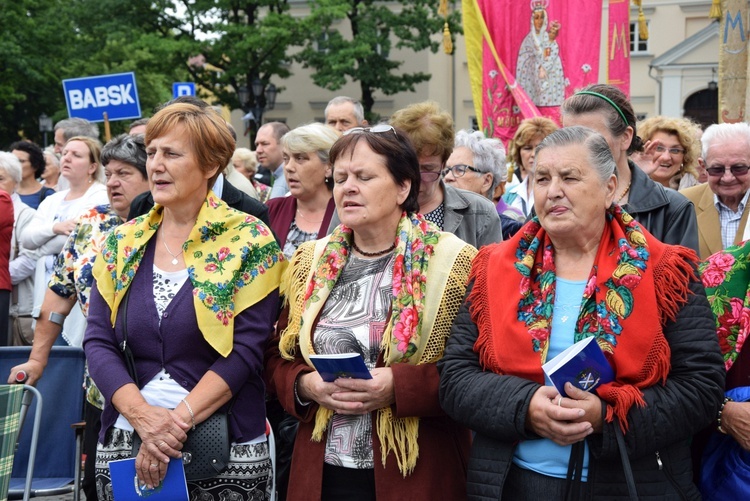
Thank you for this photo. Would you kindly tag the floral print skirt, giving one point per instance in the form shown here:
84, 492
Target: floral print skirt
248, 476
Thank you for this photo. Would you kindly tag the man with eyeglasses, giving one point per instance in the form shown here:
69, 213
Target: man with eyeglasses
721, 204
468, 215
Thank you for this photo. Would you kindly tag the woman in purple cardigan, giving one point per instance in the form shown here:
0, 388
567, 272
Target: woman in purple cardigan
306, 213
196, 284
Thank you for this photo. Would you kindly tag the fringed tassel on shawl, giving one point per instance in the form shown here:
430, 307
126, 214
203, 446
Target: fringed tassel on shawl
398, 435
292, 288
480, 314
715, 12
672, 276
322, 417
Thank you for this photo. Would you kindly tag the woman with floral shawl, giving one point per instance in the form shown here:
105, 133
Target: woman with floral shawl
582, 268
195, 283
725, 449
385, 284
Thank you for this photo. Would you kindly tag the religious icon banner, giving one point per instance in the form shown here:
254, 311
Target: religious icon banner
529, 58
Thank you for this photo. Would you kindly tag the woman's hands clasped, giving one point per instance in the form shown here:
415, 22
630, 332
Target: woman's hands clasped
163, 432
349, 396
564, 420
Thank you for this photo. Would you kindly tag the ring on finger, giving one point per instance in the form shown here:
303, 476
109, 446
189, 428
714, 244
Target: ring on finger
559, 401
154, 465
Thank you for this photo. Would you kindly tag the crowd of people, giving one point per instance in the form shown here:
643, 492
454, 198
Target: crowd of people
453, 269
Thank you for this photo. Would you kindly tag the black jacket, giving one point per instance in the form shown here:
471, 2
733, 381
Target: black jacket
233, 197
495, 407
666, 214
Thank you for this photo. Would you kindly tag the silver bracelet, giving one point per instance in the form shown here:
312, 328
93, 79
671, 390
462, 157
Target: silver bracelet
296, 395
192, 416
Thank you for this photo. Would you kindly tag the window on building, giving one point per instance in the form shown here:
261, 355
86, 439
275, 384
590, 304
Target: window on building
323, 42
637, 46
383, 50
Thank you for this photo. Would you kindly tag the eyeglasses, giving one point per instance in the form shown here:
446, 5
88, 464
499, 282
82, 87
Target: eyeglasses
672, 151
429, 176
459, 170
719, 170
377, 129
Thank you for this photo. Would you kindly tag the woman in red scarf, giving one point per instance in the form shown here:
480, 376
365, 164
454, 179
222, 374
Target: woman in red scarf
583, 267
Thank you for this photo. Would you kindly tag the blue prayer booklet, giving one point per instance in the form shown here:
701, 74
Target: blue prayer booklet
583, 364
125, 483
336, 365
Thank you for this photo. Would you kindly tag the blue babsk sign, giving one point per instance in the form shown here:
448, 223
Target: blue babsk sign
183, 89
90, 97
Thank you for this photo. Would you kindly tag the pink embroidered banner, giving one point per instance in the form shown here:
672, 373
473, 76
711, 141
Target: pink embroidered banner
550, 48
618, 45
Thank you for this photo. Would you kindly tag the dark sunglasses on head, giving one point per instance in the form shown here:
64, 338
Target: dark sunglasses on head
377, 129
719, 170
459, 170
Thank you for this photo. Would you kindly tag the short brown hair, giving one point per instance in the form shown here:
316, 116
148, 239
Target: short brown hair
429, 128
207, 132
397, 150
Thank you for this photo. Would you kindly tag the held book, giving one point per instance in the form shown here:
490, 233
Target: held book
583, 364
336, 365
125, 483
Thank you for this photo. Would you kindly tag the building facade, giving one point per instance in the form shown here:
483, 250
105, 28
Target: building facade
673, 73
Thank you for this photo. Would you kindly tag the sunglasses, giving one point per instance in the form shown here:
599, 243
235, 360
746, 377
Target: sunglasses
719, 170
377, 129
459, 170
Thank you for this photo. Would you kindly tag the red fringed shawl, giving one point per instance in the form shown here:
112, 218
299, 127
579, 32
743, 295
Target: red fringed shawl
636, 285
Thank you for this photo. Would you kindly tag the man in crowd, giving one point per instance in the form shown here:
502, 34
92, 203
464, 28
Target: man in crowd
71, 127
344, 113
268, 151
721, 204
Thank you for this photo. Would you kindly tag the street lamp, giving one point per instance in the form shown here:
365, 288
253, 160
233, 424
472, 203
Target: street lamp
45, 126
262, 101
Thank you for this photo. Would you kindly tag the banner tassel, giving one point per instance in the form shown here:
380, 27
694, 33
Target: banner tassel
715, 12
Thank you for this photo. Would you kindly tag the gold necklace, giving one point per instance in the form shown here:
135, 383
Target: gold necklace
624, 192
309, 220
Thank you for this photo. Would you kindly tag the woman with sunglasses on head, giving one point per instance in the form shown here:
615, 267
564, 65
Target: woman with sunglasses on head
306, 213
386, 285
670, 151
666, 214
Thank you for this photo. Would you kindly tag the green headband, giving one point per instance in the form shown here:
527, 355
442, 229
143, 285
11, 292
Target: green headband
617, 108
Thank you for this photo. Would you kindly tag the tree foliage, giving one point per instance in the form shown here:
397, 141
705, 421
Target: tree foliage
376, 28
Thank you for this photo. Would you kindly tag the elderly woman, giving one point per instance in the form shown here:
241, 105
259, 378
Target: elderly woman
306, 213
670, 153
646, 309
33, 164
51, 174
196, 347
477, 164
521, 155
22, 261
384, 285
124, 161
666, 214
246, 163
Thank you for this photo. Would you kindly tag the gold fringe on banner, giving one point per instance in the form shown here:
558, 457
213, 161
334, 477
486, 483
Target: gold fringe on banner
715, 12
642, 24
447, 41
